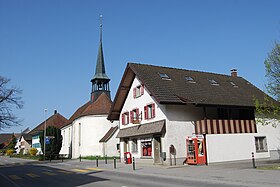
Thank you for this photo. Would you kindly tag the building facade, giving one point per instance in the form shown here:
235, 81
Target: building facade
88, 125
163, 110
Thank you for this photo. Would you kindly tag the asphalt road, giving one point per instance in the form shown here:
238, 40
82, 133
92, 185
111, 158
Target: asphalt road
27, 175
14, 173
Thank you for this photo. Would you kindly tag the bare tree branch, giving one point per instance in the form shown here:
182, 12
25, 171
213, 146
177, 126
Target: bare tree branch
9, 99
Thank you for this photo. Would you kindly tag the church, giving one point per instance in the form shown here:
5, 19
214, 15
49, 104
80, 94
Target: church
88, 132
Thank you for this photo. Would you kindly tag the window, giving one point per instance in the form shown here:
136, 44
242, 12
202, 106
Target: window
125, 118
164, 76
35, 137
135, 116
36, 145
146, 148
150, 111
134, 145
260, 143
213, 82
233, 84
189, 79
138, 91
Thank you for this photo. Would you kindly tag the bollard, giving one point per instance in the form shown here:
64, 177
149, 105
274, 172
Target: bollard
62, 158
80, 158
133, 163
115, 163
105, 159
50, 158
253, 160
96, 161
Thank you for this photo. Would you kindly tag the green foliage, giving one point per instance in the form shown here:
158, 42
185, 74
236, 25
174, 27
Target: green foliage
55, 143
12, 144
10, 152
99, 157
33, 151
267, 112
272, 67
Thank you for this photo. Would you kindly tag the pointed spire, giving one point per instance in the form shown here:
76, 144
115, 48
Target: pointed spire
100, 81
100, 66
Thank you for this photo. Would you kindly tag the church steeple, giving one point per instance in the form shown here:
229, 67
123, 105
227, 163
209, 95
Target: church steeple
100, 81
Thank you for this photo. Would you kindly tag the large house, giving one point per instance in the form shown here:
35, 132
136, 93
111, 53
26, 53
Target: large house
88, 131
170, 115
56, 120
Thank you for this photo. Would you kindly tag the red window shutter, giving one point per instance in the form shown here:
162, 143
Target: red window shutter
153, 110
122, 119
131, 116
137, 113
146, 111
134, 93
142, 89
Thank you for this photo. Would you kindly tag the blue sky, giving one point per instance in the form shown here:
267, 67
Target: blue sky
49, 48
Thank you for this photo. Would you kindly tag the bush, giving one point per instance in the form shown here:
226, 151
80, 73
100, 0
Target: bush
33, 151
9, 152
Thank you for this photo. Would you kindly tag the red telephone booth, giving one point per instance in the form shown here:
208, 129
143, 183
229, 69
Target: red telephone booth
127, 158
196, 150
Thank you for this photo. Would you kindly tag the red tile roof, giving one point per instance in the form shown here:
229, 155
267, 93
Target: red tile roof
56, 120
101, 106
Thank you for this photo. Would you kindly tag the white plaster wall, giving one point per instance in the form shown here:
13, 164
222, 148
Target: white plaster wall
109, 148
272, 135
232, 147
66, 133
176, 134
132, 103
93, 128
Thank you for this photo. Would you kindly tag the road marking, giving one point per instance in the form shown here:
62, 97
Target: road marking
32, 175
66, 172
49, 173
81, 170
14, 177
96, 169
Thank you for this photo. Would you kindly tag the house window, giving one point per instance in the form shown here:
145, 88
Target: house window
213, 82
164, 76
135, 116
125, 118
150, 111
134, 145
36, 145
146, 148
138, 91
189, 79
261, 145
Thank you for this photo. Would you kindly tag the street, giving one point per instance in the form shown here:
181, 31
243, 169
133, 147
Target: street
15, 173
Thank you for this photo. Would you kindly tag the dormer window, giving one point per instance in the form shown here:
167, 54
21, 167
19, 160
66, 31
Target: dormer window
213, 82
233, 84
164, 76
189, 79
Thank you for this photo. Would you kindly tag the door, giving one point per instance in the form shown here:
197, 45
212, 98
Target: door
125, 145
157, 142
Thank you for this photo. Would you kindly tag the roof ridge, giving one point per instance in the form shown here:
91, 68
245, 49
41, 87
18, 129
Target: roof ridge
173, 68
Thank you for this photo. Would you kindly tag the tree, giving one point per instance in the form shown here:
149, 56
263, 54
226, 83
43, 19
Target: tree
268, 111
272, 67
53, 148
12, 143
9, 100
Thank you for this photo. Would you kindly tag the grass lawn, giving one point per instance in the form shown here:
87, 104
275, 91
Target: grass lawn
272, 167
99, 158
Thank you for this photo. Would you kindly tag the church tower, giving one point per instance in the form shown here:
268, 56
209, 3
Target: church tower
100, 81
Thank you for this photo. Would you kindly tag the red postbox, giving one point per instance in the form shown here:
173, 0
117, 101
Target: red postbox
127, 158
196, 150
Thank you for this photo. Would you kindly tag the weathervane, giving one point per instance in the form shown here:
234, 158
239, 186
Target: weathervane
100, 17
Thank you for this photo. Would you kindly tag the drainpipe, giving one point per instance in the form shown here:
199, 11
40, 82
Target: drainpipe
204, 135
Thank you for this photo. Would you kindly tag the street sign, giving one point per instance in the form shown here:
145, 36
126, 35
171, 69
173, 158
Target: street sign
47, 140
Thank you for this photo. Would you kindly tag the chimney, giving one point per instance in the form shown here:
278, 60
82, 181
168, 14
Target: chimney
233, 72
55, 111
